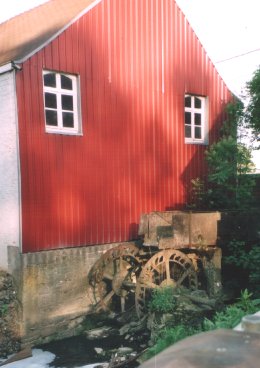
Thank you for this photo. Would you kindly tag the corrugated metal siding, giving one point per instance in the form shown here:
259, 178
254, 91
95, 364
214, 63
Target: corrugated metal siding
136, 59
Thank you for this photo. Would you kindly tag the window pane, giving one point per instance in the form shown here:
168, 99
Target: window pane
187, 131
51, 117
68, 120
188, 101
50, 100
50, 80
67, 102
66, 83
197, 103
187, 118
197, 133
197, 119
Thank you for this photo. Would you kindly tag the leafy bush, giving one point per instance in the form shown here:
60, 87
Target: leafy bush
228, 318
169, 336
162, 300
3, 310
229, 163
254, 267
227, 185
232, 315
252, 111
245, 258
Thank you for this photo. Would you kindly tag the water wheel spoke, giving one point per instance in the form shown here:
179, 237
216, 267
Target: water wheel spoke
108, 297
168, 274
113, 277
167, 268
115, 266
122, 304
183, 277
108, 276
120, 264
128, 284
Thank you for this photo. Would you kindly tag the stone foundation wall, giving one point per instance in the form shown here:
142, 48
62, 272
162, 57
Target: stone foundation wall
9, 316
52, 289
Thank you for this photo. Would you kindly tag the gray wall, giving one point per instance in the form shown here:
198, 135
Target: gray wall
9, 168
52, 288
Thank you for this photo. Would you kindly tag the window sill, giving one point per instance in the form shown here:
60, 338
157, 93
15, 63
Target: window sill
63, 132
191, 141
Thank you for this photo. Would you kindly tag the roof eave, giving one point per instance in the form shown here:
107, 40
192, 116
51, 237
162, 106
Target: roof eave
56, 34
8, 67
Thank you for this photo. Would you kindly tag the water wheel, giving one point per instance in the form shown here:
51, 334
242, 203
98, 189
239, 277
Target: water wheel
166, 268
113, 278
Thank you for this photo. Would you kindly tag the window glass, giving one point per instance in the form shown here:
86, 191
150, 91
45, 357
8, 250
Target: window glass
188, 101
187, 118
197, 119
50, 80
67, 102
66, 82
187, 131
51, 117
197, 103
197, 133
68, 121
50, 100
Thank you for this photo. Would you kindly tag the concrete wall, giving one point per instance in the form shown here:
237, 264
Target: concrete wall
9, 168
52, 288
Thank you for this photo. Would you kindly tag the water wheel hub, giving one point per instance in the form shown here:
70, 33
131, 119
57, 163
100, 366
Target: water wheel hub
117, 283
112, 279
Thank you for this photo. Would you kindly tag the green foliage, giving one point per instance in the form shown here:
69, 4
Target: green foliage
234, 121
169, 336
198, 194
238, 254
252, 113
228, 185
246, 303
228, 318
228, 164
3, 310
162, 300
225, 319
254, 267
247, 258
232, 315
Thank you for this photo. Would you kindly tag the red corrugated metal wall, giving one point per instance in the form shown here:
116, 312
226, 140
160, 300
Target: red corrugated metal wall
136, 59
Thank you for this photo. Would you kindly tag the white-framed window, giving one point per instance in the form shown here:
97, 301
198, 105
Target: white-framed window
196, 116
61, 103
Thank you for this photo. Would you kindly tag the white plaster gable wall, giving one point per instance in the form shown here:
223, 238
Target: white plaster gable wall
9, 168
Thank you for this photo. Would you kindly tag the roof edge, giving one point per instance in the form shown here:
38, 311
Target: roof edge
86, 10
8, 67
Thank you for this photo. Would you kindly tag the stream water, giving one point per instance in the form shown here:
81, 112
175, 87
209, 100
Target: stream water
80, 351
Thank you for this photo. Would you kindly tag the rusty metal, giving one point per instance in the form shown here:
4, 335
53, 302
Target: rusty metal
113, 278
179, 250
166, 268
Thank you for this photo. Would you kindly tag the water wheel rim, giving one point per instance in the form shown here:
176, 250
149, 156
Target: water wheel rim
112, 277
162, 264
